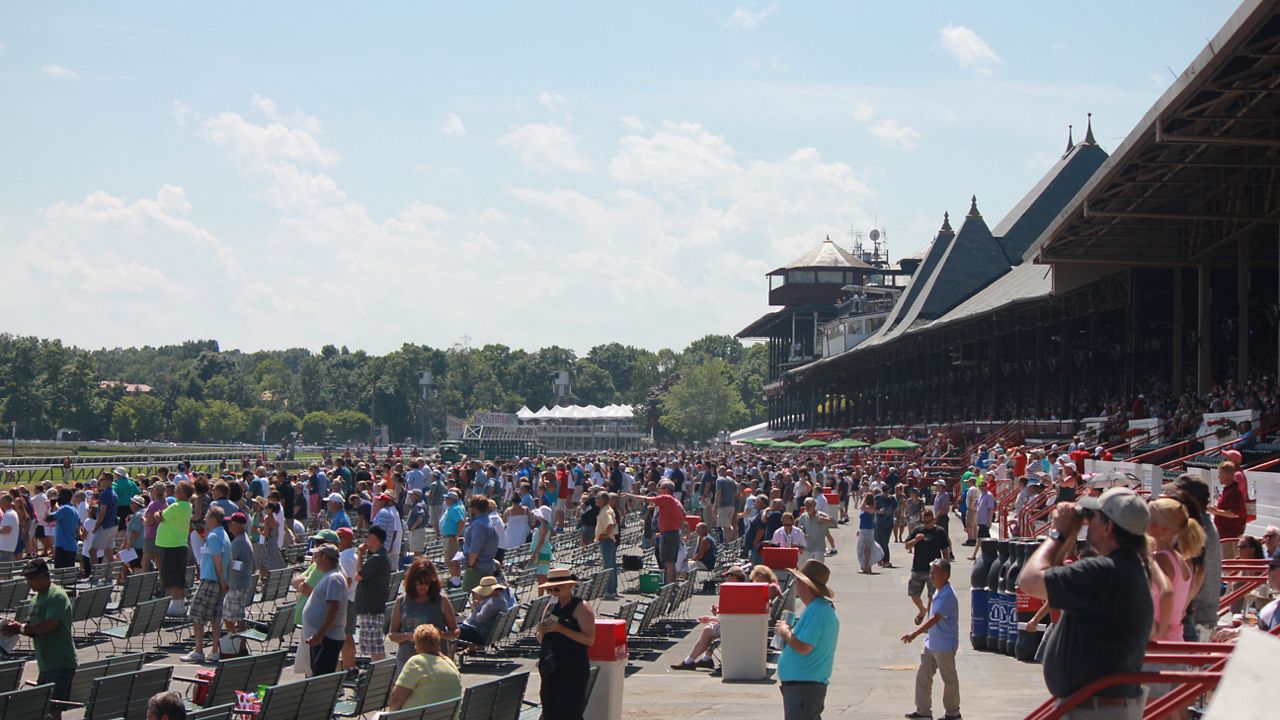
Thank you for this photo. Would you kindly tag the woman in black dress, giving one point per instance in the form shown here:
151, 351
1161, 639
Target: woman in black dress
565, 633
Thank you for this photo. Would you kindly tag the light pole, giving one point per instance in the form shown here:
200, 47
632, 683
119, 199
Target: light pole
13, 438
263, 429
425, 382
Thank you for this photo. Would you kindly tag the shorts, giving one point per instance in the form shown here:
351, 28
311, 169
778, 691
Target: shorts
372, 641
173, 567
450, 548
918, 583
149, 545
206, 604
234, 603
984, 531
40, 534
669, 546
61, 679
103, 539
724, 517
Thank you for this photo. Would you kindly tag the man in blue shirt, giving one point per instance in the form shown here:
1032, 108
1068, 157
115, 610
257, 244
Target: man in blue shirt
66, 531
480, 543
809, 649
942, 639
451, 530
215, 572
337, 512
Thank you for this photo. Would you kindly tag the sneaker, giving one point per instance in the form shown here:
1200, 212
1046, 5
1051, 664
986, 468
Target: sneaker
831, 552
707, 663
913, 715
215, 656
950, 717
685, 666
193, 657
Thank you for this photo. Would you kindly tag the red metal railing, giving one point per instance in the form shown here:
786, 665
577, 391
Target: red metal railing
1222, 446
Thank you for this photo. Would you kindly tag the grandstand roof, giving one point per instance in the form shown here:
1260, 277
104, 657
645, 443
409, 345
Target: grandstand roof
577, 412
1196, 176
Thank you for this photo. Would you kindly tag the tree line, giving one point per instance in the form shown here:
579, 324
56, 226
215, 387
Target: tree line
202, 393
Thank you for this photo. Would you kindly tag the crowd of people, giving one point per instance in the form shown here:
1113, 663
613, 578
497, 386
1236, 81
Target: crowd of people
363, 521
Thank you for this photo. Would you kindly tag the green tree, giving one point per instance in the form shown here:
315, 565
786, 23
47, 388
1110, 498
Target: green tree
725, 347
187, 414
222, 422
592, 385
149, 416
351, 426
124, 422
282, 425
316, 426
702, 402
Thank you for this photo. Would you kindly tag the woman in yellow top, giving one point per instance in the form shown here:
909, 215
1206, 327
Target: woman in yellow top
428, 677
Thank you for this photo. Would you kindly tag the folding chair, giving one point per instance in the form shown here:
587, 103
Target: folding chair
242, 673
11, 675
86, 673
222, 712
477, 701
280, 626
137, 587
90, 605
509, 697
147, 618
32, 702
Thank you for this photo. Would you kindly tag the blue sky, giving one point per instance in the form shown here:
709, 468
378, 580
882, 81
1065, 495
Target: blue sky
294, 174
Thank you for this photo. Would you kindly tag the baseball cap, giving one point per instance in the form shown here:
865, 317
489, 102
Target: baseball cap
329, 550
35, 566
335, 497
345, 533
238, 517
385, 498
1123, 507
326, 535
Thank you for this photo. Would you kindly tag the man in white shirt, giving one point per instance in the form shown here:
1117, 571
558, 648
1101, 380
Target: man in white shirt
789, 535
8, 528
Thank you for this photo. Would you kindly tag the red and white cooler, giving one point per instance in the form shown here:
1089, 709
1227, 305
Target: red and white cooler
780, 558
744, 630
609, 653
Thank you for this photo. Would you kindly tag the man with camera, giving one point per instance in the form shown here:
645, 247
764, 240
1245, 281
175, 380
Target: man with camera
1105, 601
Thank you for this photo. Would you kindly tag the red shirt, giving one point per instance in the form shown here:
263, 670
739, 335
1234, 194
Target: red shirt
1019, 465
562, 477
670, 513
1079, 456
1233, 500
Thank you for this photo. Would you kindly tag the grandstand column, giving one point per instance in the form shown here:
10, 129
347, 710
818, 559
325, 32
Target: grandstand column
1242, 301
1204, 348
1179, 329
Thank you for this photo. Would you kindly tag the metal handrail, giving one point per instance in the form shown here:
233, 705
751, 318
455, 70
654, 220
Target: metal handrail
1170, 465
1054, 709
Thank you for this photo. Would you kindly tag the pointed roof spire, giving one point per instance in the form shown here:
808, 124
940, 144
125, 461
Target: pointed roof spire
946, 223
828, 239
1070, 144
973, 207
1088, 135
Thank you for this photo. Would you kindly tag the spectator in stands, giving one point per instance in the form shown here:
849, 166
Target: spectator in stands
755, 534
486, 605
373, 578
125, 489
427, 676
700, 655
1249, 547
942, 640
386, 516
10, 529
671, 519
983, 509
451, 527
102, 542
564, 634
1271, 541
240, 579
423, 602
1268, 617
1174, 540
480, 543
49, 627
206, 604
172, 535
1202, 618
1105, 601
337, 512
724, 502
814, 525
1229, 516
324, 614
606, 534
868, 552
704, 548
808, 651
151, 525
942, 504
415, 523
67, 529
928, 542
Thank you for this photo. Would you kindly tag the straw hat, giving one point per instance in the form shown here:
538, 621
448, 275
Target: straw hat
488, 584
815, 574
558, 577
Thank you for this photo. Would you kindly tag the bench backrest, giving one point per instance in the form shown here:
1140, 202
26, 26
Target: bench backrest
282, 622
302, 699
244, 673
477, 701
126, 695
11, 591
137, 587
373, 691
510, 695
82, 680
148, 617
11, 675
28, 703
90, 604
444, 710
221, 712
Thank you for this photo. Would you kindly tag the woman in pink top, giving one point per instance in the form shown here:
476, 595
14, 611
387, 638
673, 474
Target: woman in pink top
1175, 540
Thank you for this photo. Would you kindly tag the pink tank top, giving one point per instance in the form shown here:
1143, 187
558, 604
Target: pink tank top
1181, 582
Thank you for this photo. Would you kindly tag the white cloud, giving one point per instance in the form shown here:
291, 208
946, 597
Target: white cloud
543, 148
182, 113
968, 49
453, 126
863, 112
744, 18
893, 134
60, 72
552, 102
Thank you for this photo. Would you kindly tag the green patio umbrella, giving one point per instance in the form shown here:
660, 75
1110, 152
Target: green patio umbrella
848, 443
812, 444
785, 444
895, 444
